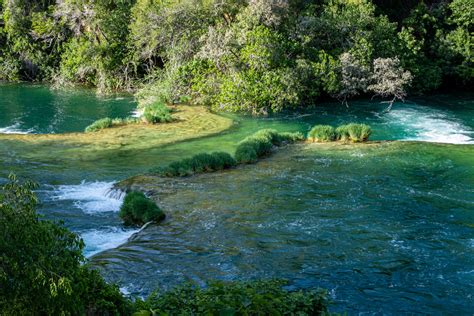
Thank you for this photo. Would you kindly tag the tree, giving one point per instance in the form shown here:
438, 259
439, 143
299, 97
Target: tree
41, 269
389, 80
354, 77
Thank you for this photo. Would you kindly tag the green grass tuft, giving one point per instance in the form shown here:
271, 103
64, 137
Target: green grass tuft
197, 164
261, 143
107, 122
157, 112
137, 209
322, 133
99, 124
354, 132
248, 151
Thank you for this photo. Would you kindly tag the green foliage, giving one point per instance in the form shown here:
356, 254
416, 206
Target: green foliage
235, 298
198, 164
99, 124
353, 132
261, 143
137, 209
322, 133
77, 62
254, 56
107, 122
42, 272
41, 263
248, 151
157, 112
288, 137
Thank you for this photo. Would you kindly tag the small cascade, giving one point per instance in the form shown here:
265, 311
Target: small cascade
98, 240
91, 197
14, 129
115, 193
422, 123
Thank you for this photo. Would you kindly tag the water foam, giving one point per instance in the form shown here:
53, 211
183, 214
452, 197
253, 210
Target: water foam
137, 113
90, 197
98, 240
430, 125
14, 129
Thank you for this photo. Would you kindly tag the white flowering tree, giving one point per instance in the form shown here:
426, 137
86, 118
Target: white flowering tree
389, 80
354, 77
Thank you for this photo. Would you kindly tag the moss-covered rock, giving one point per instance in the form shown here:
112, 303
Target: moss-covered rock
137, 209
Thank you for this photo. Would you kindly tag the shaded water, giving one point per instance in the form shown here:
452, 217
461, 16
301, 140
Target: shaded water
354, 206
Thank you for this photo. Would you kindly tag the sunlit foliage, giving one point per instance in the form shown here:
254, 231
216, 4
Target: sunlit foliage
258, 56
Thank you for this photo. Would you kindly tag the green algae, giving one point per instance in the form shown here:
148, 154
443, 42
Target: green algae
191, 123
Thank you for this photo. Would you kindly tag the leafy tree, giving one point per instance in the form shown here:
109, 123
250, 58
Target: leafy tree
458, 44
100, 29
355, 77
238, 55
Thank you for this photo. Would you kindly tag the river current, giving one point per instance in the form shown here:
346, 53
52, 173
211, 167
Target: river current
387, 228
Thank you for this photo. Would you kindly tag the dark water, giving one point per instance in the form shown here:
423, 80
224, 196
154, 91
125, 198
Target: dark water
387, 229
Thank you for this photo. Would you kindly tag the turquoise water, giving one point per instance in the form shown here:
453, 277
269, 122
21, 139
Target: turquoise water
387, 229
32, 108
359, 221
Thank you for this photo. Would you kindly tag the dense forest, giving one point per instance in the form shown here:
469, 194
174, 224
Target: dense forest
252, 55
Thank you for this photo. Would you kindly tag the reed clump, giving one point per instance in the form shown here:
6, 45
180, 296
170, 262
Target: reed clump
352, 132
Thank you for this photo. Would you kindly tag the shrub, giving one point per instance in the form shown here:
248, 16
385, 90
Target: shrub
137, 209
157, 112
353, 132
261, 143
234, 298
322, 133
197, 164
41, 263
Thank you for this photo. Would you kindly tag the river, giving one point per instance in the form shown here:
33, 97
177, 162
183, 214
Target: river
387, 228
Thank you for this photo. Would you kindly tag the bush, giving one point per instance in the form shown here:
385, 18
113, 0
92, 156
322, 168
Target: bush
108, 122
157, 112
198, 164
261, 143
322, 133
234, 298
353, 132
137, 209
42, 269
